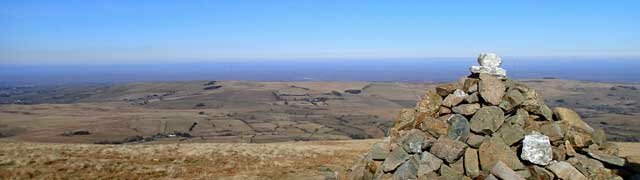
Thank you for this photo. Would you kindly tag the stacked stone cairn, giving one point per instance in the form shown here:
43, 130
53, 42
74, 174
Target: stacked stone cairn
487, 126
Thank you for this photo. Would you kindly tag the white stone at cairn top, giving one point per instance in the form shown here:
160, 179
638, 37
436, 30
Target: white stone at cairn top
490, 64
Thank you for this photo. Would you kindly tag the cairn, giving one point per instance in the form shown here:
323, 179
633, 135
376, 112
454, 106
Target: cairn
487, 126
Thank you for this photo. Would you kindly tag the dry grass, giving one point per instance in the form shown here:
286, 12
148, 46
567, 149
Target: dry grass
291, 160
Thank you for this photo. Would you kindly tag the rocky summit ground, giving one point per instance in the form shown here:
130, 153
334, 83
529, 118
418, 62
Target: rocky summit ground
286, 160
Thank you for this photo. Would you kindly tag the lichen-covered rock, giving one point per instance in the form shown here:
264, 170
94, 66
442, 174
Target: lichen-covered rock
470, 85
564, 170
428, 163
536, 148
466, 109
447, 149
475, 140
412, 141
494, 150
395, 158
408, 170
446, 89
430, 103
552, 130
379, 151
511, 134
609, 159
487, 120
436, 127
454, 98
448, 173
405, 119
472, 98
572, 119
491, 89
541, 173
502, 171
471, 165
459, 128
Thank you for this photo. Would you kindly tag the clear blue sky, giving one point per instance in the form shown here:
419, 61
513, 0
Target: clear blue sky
155, 31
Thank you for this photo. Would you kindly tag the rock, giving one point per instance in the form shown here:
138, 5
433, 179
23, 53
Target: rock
514, 98
559, 152
609, 148
535, 105
536, 149
458, 166
466, 109
609, 159
599, 136
569, 148
471, 166
444, 110
489, 64
430, 103
428, 163
491, 177
578, 139
446, 89
475, 140
591, 168
447, 149
472, 98
491, 89
379, 151
394, 159
572, 119
408, 170
540, 173
412, 141
502, 171
564, 170
494, 150
519, 118
459, 128
552, 130
405, 119
511, 134
448, 173
454, 99
633, 163
436, 127
525, 173
470, 85
487, 120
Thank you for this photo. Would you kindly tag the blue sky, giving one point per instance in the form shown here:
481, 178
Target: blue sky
156, 31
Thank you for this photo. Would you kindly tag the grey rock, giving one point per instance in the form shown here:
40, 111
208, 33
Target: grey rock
408, 170
412, 141
609, 159
428, 163
552, 130
395, 158
491, 177
466, 109
535, 105
511, 134
589, 167
475, 140
487, 120
564, 170
454, 98
379, 151
449, 173
471, 164
472, 98
459, 128
470, 85
447, 149
491, 89
519, 118
503, 171
536, 148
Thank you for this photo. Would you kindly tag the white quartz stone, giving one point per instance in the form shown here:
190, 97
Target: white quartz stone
536, 148
489, 64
